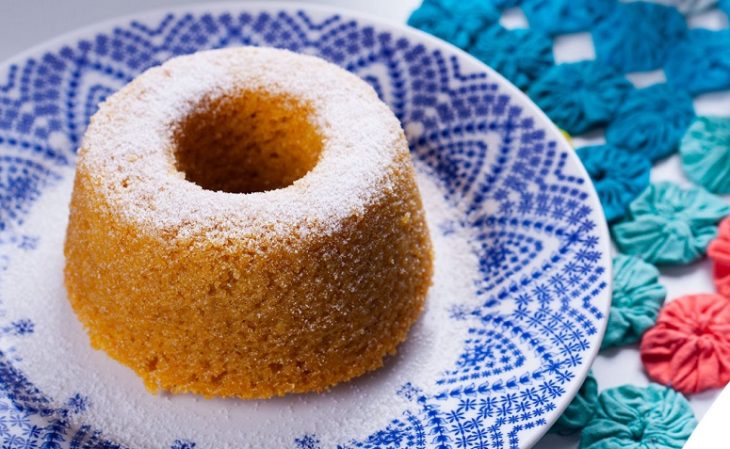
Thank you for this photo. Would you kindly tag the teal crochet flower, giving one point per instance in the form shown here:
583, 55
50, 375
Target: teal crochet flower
705, 152
455, 21
652, 121
636, 36
630, 417
565, 16
617, 175
701, 62
520, 55
670, 225
637, 298
580, 410
580, 96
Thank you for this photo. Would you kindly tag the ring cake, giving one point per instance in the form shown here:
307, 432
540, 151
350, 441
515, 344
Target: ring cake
245, 222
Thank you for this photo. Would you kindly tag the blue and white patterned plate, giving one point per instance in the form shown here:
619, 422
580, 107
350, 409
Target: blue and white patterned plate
522, 283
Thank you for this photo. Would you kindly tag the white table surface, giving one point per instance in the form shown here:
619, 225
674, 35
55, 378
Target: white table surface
25, 23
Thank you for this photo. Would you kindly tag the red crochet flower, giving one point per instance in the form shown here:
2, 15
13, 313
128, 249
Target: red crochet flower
689, 347
719, 252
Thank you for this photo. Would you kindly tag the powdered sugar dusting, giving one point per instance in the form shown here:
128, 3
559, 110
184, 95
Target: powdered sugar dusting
59, 360
129, 149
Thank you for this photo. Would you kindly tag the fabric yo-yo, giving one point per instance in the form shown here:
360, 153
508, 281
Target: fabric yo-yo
637, 36
618, 176
456, 21
719, 252
652, 121
637, 298
565, 16
667, 224
689, 347
521, 55
580, 96
631, 417
705, 152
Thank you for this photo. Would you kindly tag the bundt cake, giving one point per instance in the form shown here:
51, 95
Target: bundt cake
245, 222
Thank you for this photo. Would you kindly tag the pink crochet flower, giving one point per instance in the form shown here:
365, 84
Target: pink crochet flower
689, 347
719, 252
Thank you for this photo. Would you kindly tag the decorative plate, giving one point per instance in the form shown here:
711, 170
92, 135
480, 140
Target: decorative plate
522, 283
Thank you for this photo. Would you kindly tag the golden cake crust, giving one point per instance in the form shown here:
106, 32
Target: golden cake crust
307, 283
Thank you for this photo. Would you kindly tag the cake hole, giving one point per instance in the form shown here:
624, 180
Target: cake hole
251, 142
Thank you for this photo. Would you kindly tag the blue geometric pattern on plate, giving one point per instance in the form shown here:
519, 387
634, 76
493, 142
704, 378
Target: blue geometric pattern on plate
514, 204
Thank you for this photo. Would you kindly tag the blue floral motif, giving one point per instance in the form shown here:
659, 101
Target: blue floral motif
534, 230
77, 403
182, 444
20, 327
307, 442
21, 183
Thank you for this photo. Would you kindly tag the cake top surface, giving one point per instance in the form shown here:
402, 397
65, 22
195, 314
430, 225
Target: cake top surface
129, 148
